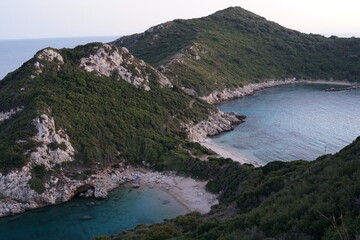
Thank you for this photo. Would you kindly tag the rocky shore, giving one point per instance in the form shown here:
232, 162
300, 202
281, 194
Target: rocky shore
226, 94
187, 191
216, 123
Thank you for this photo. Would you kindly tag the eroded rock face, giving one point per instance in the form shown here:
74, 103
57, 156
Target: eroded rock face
55, 145
49, 55
7, 115
216, 123
112, 61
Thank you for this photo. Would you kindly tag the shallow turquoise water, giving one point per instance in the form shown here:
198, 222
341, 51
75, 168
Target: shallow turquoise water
85, 218
299, 121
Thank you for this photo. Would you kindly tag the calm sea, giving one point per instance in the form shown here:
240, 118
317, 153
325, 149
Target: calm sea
13, 53
299, 121
83, 219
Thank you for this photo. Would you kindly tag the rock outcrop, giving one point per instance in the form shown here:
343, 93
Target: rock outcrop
226, 94
51, 55
7, 115
48, 55
112, 61
216, 123
55, 147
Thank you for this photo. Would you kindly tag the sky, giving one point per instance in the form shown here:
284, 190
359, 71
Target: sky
24, 19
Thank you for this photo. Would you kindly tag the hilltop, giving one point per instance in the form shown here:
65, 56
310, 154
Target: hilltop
234, 47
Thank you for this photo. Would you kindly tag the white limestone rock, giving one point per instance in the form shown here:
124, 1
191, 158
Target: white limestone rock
49, 138
216, 123
112, 61
7, 115
51, 55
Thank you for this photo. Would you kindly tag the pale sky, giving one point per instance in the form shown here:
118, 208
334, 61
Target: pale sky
23, 19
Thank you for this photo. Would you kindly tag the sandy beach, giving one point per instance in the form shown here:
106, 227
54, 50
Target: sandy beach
227, 152
187, 191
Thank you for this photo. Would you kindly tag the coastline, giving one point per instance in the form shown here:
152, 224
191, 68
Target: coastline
217, 97
188, 192
344, 83
227, 152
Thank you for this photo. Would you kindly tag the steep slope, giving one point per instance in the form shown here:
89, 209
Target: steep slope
234, 47
293, 200
72, 120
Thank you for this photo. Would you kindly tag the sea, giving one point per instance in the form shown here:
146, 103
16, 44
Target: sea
293, 122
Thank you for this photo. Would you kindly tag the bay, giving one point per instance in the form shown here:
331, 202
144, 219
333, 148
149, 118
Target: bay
84, 218
298, 121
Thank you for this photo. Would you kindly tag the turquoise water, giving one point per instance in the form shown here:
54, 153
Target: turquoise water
13, 53
86, 218
299, 121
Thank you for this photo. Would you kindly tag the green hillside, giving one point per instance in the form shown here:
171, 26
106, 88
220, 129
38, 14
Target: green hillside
107, 120
295, 200
233, 47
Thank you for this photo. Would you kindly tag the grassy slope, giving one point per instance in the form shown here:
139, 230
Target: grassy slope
295, 200
102, 116
237, 47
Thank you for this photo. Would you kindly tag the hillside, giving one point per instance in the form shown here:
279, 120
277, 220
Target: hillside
295, 200
235, 47
71, 118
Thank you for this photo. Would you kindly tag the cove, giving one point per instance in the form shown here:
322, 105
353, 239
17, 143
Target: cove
292, 122
83, 218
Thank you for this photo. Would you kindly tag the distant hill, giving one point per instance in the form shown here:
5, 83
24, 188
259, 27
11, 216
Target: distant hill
233, 47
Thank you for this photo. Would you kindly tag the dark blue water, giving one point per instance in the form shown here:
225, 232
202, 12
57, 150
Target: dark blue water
86, 218
13, 53
300, 121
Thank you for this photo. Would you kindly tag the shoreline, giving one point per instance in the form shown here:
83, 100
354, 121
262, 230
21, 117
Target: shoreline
187, 191
343, 83
218, 97
227, 152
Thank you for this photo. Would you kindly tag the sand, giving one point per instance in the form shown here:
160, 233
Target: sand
189, 192
227, 152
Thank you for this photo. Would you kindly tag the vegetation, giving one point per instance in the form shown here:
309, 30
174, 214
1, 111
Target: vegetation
107, 120
237, 47
38, 178
282, 200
